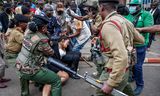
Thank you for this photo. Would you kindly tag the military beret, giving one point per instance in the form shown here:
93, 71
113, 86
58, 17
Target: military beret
21, 18
25, 10
40, 20
109, 1
7, 5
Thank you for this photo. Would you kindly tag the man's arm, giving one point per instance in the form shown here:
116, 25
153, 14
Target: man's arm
152, 29
79, 25
137, 37
81, 18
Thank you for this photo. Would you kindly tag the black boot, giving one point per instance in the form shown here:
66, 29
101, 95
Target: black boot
2, 85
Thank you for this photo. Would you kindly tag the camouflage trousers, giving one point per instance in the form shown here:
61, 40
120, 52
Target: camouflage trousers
123, 86
43, 76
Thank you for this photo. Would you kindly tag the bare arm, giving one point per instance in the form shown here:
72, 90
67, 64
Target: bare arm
81, 18
152, 29
78, 31
78, 25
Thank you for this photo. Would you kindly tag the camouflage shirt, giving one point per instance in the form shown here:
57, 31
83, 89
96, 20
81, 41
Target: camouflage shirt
34, 50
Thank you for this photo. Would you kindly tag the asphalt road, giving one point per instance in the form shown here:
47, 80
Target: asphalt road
81, 88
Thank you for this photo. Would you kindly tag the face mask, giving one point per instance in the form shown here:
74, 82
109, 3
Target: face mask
60, 12
132, 9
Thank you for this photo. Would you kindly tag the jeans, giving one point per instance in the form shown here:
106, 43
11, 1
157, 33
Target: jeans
77, 46
138, 70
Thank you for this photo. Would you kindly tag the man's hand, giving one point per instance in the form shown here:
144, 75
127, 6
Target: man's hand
139, 29
106, 88
94, 39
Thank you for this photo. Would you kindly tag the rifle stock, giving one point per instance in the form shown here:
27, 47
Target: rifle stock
86, 77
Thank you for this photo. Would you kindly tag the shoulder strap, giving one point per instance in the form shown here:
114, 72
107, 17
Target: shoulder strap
103, 49
136, 20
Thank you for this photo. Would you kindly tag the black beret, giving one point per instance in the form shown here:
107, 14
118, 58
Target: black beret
40, 20
25, 10
7, 5
109, 1
21, 18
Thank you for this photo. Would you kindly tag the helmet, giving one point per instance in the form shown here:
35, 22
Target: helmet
135, 2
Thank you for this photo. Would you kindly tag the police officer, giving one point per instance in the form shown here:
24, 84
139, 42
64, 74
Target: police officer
115, 44
140, 18
32, 56
15, 37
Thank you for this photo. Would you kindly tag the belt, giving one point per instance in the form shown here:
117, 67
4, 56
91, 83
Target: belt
12, 52
109, 70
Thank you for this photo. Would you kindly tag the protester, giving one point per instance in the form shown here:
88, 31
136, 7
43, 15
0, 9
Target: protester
139, 18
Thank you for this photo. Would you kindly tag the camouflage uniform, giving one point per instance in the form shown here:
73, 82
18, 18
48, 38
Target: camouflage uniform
30, 60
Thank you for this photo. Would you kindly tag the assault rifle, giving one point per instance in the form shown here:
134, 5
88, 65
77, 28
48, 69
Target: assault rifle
86, 77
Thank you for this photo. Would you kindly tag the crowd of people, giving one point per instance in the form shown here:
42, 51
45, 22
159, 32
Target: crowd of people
32, 31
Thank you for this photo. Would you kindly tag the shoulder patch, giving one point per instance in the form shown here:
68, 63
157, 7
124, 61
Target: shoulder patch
35, 38
45, 40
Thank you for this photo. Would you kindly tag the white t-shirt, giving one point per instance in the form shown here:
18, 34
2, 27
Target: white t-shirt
85, 31
62, 52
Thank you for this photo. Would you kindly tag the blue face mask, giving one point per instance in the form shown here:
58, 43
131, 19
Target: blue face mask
132, 9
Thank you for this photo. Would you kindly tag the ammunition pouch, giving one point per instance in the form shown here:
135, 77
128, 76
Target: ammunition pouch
132, 58
26, 69
97, 58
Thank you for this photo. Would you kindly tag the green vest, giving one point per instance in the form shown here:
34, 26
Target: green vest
144, 20
30, 58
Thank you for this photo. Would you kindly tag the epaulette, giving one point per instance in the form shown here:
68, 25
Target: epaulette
45, 40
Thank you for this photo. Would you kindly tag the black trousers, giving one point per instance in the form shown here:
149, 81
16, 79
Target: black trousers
72, 60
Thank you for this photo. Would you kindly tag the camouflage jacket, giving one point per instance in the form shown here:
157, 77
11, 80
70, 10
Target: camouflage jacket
35, 47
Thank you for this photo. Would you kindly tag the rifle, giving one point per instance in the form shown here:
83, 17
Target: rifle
86, 77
